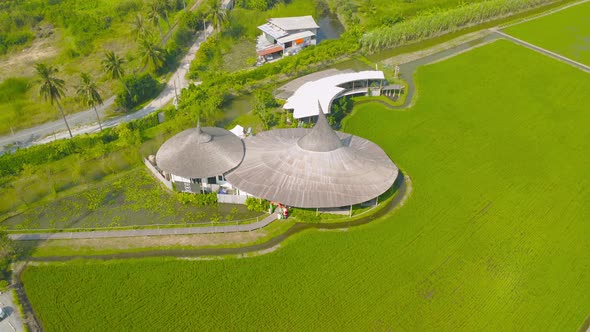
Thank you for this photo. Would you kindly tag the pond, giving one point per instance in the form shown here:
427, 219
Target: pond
237, 106
330, 27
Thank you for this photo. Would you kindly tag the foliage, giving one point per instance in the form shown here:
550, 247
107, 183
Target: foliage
153, 56
257, 204
7, 255
208, 199
436, 22
141, 88
499, 199
133, 198
264, 104
559, 32
204, 103
341, 107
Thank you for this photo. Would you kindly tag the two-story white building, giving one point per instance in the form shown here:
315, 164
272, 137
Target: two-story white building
286, 36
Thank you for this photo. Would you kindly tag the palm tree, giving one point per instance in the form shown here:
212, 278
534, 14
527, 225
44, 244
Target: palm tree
163, 6
152, 54
140, 27
52, 88
88, 93
217, 15
113, 66
154, 16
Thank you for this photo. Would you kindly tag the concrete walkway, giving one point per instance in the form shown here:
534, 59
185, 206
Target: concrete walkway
14, 322
543, 51
144, 232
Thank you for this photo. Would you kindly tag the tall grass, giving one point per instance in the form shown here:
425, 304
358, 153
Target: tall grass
438, 22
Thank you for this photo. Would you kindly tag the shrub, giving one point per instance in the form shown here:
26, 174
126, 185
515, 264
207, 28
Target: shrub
257, 204
209, 199
142, 88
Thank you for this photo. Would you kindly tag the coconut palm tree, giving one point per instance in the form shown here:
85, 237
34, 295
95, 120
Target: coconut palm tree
153, 16
140, 27
88, 93
152, 54
113, 66
51, 87
217, 15
163, 7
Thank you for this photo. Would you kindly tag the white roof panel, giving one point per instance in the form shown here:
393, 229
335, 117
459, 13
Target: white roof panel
272, 30
304, 102
295, 36
294, 23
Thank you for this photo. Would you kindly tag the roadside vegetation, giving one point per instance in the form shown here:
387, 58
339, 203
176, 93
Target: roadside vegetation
74, 37
499, 199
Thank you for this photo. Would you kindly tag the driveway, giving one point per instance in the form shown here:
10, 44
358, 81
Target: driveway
14, 322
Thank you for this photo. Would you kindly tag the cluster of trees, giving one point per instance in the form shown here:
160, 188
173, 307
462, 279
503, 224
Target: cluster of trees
260, 5
137, 88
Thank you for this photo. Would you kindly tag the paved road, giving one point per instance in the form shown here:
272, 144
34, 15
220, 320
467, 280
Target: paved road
145, 232
14, 322
85, 122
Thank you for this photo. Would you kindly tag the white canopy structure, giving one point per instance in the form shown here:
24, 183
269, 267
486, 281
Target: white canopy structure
238, 131
304, 102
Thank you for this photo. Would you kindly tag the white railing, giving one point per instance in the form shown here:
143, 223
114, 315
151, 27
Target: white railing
233, 199
157, 174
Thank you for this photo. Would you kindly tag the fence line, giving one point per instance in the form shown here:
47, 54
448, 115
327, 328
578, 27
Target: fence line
134, 227
145, 232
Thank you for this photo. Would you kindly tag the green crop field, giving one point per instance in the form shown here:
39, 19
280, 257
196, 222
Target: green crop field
566, 32
493, 237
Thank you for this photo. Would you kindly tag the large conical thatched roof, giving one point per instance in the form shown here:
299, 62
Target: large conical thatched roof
313, 168
200, 152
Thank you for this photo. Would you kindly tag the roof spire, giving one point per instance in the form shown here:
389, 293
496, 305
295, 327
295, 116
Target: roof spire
321, 138
202, 136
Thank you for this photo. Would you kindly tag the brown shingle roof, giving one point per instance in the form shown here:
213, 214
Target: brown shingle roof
201, 152
313, 168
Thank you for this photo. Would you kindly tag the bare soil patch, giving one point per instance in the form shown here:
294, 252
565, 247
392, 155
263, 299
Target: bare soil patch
21, 63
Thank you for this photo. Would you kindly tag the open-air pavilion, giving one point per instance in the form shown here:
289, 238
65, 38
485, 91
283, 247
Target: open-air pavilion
313, 168
304, 102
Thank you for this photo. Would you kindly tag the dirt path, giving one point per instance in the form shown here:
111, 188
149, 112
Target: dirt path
544, 14
543, 51
435, 54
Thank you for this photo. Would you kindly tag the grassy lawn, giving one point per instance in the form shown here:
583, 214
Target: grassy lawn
135, 199
566, 32
242, 55
494, 236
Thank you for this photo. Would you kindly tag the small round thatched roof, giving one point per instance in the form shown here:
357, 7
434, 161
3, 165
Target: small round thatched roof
313, 168
200, 153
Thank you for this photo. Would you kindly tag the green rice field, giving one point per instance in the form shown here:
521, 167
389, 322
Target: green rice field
494, 236
566, 32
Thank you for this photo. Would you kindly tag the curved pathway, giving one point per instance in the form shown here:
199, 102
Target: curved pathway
402, 184
144, 232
